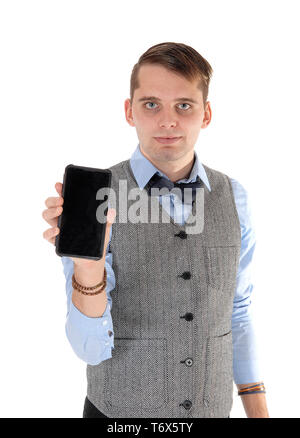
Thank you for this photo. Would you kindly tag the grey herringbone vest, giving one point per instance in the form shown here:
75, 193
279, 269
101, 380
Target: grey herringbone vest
171, 312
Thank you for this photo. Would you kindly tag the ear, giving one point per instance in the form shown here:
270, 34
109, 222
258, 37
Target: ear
128, 112
207, 116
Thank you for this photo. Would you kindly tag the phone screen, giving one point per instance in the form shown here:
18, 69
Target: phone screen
81, 233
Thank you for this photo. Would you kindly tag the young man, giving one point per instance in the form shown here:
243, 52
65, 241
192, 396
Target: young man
178, 329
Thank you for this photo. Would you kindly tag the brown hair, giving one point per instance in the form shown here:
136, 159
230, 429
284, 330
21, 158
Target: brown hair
177, 57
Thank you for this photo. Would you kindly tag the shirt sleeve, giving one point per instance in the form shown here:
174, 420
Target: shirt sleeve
246, 367
91, 338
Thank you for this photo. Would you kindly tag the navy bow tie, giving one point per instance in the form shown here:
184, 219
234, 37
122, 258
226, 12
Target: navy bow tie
159, 182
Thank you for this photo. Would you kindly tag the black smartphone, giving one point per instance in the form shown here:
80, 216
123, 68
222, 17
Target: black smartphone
81, 233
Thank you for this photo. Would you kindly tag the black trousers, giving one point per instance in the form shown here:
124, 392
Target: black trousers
90, 410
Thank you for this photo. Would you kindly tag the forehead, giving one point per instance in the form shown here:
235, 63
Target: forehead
158, 81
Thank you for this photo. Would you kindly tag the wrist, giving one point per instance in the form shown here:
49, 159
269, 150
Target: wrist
89, 275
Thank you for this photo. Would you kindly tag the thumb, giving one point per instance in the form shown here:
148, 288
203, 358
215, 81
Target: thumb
111, 215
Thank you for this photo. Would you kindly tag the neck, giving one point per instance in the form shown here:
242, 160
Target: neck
174, 173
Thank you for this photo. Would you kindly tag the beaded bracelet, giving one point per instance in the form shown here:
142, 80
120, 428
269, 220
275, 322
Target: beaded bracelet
83, 289
254, 389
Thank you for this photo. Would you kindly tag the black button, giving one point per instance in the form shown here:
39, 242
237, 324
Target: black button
189, 316
186, 275
182, 234
189, 362
187, 404
110, 332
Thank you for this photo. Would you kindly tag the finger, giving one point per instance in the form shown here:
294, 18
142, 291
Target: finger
111, 215
51, 233
54, 201
110, 218
51, 215
52, 240
52, 222
58, 187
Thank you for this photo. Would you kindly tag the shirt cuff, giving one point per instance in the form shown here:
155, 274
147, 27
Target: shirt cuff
101, 326
90, 336
90, 322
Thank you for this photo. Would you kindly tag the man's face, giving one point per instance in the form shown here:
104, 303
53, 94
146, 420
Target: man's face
169, 116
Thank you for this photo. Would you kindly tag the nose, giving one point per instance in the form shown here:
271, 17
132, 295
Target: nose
167, 120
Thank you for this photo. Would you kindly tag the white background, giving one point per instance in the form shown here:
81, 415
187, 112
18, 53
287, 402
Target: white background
64, 77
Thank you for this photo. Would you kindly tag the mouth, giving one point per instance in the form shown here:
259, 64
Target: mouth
167, 140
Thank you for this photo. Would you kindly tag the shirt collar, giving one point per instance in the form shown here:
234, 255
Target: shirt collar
143, 170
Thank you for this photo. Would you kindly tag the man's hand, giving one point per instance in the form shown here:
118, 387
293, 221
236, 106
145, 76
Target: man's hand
54, 210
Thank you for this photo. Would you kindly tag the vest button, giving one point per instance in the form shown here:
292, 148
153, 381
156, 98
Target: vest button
110, 333
186, 275
182, 234
189, 362
187, 404
189, 316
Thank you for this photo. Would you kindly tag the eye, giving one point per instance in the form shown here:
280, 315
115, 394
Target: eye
185, 104
150, 103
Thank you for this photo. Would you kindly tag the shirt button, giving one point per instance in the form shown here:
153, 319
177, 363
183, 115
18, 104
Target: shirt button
104, 322
106, 343
110, 333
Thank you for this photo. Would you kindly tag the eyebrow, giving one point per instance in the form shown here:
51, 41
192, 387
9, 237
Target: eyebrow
180, 99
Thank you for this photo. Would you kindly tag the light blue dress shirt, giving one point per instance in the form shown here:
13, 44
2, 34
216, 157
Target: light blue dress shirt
92, 338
